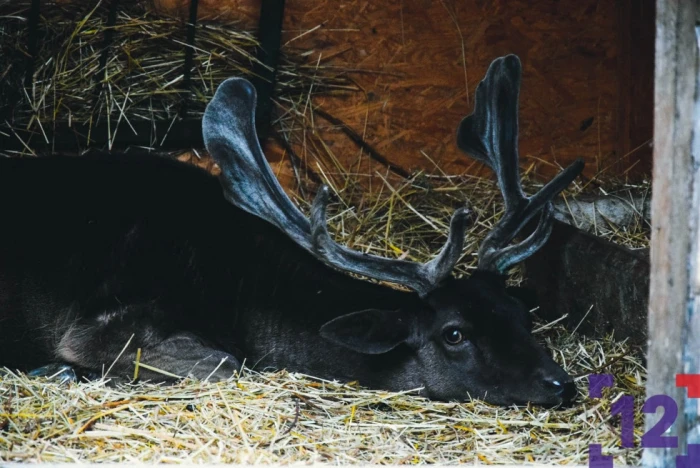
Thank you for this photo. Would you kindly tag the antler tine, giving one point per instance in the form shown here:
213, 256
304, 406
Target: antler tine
490, 134
501, 258
248, 182
421, 277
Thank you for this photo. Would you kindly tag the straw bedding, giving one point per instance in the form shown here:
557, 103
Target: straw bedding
262, 417
265, 417
284, 418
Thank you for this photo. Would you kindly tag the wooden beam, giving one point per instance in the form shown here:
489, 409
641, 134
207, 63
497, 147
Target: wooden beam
265, 70
162, 136
674, 300
635, 86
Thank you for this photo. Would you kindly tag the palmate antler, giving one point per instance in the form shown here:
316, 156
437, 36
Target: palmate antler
490, 134
248, 182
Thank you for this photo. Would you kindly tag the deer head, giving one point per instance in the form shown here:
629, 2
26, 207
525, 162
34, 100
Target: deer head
460, 338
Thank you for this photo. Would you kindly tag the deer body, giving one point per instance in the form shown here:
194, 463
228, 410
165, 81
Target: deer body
106, 255
97, 237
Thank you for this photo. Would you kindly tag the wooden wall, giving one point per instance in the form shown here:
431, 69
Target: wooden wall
674, 285
587, 74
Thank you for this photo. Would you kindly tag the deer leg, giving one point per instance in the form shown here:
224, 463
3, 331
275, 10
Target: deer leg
184, 355
110, 344
63, 373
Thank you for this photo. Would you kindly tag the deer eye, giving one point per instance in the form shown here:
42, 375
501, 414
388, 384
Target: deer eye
453, 336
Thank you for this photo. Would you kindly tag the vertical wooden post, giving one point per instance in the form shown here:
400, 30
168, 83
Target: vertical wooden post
674, 301
265, 70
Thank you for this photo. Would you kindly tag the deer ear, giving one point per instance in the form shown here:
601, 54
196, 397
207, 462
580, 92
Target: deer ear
368, 331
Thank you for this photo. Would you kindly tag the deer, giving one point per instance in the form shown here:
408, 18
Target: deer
107, 255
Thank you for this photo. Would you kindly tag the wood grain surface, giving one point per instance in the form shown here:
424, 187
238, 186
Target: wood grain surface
587, 75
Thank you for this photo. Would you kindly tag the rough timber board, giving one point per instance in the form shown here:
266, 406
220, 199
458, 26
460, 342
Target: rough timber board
585, 79
672, 321
569, 51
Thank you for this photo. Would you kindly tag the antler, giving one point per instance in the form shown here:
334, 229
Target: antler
490, 134
248, 182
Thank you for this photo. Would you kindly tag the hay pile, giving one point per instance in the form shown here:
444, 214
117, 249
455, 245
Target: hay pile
140, 76
285, 418
410, 218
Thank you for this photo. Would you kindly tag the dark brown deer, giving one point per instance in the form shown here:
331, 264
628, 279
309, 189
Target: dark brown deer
104, 255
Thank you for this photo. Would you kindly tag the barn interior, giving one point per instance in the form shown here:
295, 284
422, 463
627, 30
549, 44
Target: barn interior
367, 99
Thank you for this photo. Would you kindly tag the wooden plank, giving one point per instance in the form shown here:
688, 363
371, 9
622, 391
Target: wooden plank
635, 81
431, 55
421, 61
675, 208
691, 352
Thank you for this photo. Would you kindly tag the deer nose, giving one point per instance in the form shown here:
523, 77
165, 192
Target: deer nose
564, 389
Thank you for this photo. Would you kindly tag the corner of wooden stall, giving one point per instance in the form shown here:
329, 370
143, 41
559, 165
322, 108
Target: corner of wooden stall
674, 296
